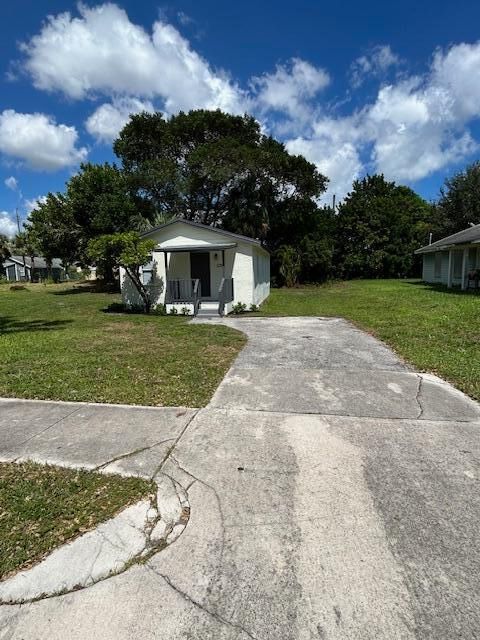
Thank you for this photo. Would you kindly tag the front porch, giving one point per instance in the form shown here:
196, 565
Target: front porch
199, 276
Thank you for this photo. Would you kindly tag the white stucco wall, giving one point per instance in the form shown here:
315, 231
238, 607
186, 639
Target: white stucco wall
261, 275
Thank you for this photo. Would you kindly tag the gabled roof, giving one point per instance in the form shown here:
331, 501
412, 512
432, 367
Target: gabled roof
237, 236
39, 262
467, 236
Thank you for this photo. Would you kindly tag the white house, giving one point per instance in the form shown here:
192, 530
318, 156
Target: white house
453, 260
202, 268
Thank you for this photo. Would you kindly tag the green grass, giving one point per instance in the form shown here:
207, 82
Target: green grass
41, 507
57, 343
435, 329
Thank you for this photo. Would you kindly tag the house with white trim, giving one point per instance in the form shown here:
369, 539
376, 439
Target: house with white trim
454, 260
202, 269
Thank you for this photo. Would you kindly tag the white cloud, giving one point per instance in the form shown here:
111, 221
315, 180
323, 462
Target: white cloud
290, 88
415, 126
106, 122
375, 64
8, 226
11, 183
37, 140
32, 203
102, 52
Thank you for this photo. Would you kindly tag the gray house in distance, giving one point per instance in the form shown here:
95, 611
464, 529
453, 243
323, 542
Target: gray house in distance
451, 260
15, 270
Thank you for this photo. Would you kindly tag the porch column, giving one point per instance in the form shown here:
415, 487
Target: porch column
464, 269
450, 267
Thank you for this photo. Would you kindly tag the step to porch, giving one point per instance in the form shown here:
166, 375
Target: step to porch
208, 308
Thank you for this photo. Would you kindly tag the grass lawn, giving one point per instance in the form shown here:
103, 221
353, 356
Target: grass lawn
435, 329
41, 507
57, 343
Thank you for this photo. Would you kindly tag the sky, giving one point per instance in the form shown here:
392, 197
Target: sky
357, 88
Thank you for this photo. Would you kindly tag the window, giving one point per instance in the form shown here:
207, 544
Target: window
147, 271
438, 265
472, 258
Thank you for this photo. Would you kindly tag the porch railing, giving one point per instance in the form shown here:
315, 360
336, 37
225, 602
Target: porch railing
225, 294
187, 291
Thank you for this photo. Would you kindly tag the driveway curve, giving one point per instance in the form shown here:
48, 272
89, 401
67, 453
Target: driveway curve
333, 494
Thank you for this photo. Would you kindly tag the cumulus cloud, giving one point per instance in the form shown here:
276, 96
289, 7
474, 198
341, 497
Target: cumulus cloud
374, 64
32, 203
102, 52
106, 122
11, 183
36, 140
290, 88
8, 227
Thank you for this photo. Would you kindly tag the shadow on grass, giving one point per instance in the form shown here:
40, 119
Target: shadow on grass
11, 325
86, 288
442, 288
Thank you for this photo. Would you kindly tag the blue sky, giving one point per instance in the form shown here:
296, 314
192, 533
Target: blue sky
356, 87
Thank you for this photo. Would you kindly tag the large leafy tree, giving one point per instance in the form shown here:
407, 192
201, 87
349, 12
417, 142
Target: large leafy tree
379, 225
52, 231
220, 170
459, 202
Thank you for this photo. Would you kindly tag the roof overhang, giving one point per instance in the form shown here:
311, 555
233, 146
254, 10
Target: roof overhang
196, 248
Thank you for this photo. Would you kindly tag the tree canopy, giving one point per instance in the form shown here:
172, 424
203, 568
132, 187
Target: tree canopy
459, 202
379, 225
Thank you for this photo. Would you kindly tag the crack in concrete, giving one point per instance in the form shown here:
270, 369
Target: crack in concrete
50, 426
190, 600
418, 396
176, 441
135, 452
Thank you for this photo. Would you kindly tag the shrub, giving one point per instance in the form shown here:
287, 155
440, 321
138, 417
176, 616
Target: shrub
254, 307
239, 308
185, 311
173, 311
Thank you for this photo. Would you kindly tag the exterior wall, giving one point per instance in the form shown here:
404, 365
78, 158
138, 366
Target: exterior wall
261, 275
428, 273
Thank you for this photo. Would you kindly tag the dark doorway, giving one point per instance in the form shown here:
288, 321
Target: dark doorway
200, 268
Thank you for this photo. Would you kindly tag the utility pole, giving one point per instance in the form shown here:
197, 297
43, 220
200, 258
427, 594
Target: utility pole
22, 245
333, 202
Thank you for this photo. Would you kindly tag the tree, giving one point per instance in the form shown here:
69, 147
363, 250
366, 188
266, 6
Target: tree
220, 170
379, 225
52, 230
459, 202
4, 248
125, 250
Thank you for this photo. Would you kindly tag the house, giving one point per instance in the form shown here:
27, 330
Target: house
452, 260
195, 266
15, 269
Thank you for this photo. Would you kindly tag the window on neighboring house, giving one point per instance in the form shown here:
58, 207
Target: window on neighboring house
472, 258
438, 265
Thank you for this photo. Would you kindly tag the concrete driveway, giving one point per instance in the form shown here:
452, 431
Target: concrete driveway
333, 494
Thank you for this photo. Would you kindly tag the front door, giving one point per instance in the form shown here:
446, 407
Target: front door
200, 268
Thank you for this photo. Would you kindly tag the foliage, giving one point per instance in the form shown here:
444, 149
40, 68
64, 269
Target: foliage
239, 308
220, 170
58, 343
379, 226
125, 250
459, 202
434, 328
254, 307
45, 506
289, 264
5, 252
185, 311
51, 231
173, 311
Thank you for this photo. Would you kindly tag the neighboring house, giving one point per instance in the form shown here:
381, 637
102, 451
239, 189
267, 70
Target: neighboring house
15, 269
451, 260
201, 267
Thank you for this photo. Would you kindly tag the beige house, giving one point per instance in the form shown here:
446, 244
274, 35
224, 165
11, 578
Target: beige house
454, 260
203, 269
